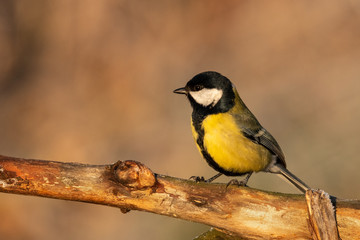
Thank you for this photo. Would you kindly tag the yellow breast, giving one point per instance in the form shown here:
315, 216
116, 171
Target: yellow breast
229, 148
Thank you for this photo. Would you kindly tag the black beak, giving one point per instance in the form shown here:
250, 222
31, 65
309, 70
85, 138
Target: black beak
180, 91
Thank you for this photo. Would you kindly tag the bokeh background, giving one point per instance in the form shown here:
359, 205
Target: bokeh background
91, 82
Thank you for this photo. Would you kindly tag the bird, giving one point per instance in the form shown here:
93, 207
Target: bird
228, 135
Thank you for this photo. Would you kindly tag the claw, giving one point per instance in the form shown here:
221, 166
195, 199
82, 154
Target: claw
241, 183
197, 179
202, 179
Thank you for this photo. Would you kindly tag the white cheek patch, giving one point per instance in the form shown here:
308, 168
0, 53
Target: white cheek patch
206, 96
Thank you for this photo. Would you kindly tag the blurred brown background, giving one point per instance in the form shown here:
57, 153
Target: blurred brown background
92, 81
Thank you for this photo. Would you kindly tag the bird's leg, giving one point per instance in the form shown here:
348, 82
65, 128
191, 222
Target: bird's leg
202, 179
240, 183
214, 177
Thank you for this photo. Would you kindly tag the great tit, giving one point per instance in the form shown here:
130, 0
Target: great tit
228, 135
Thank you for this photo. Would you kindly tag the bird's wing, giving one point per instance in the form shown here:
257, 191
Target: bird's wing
261, 136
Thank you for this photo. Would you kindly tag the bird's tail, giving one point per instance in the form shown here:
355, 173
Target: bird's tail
277, 168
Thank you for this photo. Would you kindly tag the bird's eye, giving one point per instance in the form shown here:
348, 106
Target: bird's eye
198, 87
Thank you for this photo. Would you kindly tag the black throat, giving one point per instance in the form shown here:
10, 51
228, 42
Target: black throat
200, 112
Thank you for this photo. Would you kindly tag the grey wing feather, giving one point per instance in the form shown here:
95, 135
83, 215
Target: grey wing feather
264, 138
253, 130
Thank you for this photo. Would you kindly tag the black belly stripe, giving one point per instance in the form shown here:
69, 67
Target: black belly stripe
197, 122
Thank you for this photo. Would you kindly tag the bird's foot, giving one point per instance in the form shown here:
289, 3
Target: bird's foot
197, 179
238, 183
241, 183
202, 179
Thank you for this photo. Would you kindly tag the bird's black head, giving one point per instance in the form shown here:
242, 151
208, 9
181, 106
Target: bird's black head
209, 92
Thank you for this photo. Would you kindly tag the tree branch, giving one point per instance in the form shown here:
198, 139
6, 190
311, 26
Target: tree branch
130, 185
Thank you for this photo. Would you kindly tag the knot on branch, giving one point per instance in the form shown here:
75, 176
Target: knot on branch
133, 174
8, 178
